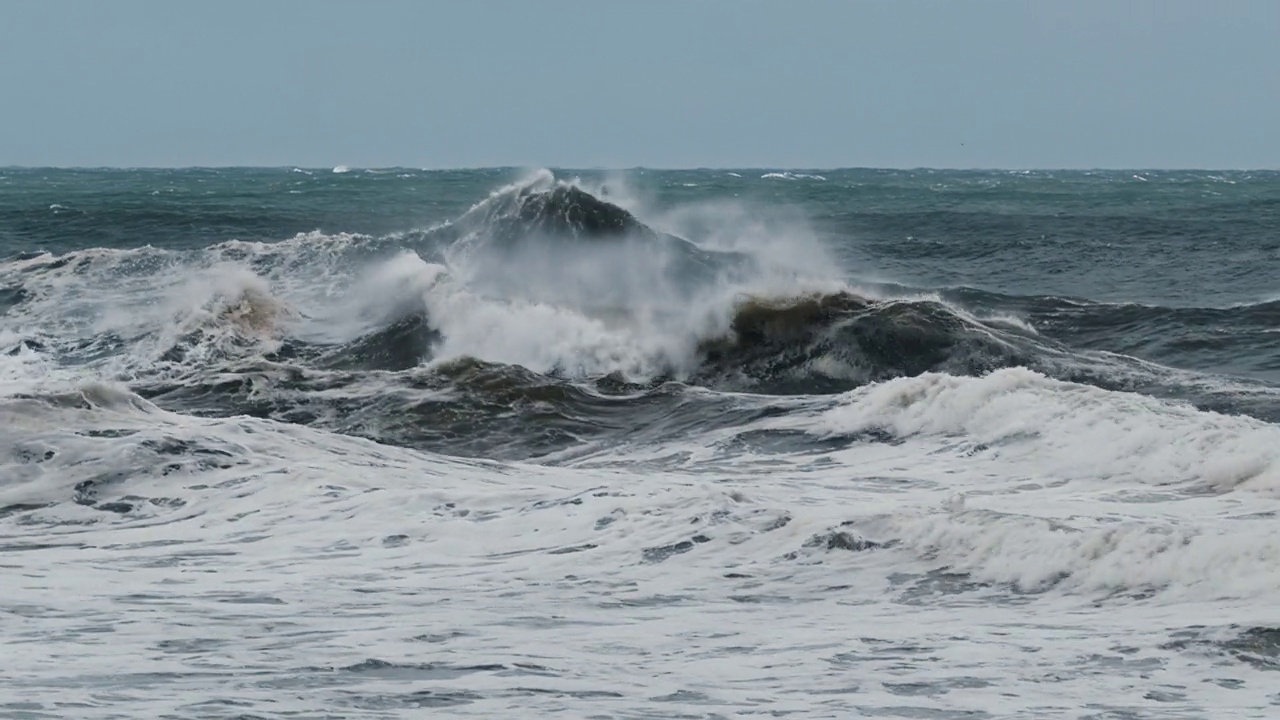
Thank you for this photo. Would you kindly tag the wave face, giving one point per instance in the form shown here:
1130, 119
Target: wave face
589, 439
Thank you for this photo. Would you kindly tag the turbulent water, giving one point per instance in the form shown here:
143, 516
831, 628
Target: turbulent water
704, 444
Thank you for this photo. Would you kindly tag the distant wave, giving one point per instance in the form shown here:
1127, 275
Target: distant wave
790, 176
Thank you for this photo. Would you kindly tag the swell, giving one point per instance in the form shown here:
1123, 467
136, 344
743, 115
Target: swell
1240, 340
63, 210
464, 407
836, 342
546, 317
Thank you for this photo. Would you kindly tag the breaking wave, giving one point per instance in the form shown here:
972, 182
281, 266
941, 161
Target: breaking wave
548, 299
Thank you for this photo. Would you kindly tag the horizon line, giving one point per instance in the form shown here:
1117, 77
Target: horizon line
600, 168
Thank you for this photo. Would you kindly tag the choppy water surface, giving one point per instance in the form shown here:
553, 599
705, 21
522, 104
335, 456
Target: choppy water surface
708, 444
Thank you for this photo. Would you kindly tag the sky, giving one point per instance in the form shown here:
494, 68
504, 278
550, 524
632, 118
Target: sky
653, 83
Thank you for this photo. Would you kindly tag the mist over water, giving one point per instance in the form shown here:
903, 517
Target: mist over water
356, 443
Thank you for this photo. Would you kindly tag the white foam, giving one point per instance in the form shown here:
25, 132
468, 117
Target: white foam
21, 367
1067, 488
1037, 427
1008, 320
1189, 556
790, 176
588, 578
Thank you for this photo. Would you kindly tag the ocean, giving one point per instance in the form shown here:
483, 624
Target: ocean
354, 443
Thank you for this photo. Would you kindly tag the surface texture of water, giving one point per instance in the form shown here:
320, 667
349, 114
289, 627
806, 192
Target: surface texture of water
708, 444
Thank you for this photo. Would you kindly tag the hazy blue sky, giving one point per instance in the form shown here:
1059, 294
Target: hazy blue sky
804, 83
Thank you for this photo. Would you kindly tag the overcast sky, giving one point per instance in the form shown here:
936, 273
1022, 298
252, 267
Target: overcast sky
656, 83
